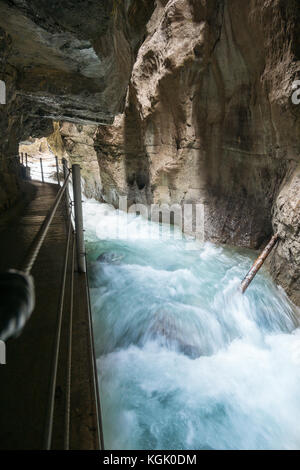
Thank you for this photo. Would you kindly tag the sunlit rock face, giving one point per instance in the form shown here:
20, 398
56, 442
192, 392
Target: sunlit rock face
75, 57
75, 143
209, 118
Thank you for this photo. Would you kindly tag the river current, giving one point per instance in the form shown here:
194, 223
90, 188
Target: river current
185, 361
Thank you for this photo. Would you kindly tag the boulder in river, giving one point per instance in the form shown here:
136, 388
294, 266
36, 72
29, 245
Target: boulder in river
165, 330
110, 257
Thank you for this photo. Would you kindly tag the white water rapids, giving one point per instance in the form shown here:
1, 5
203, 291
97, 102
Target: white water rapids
185, 360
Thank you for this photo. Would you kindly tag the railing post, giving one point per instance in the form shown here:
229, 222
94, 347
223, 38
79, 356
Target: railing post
65, 167
42, 172
78, 219
18, 165
57, 169
65, 172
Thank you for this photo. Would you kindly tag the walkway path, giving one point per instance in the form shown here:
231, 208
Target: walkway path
25, 379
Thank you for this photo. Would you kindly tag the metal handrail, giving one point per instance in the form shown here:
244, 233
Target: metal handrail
94, 368
78, 243
40, 237
69, 361
50, 417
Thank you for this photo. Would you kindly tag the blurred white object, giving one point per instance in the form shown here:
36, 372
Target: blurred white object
17, 301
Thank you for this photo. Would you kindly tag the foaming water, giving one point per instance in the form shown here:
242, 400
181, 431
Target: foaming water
185, 360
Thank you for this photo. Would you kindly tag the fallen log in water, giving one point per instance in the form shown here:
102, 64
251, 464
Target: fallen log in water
258, 263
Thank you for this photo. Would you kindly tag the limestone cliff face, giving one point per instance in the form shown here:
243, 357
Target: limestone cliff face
209, 119
208, 114
14, 125
285, 262
74, 58
62, 60
75, 142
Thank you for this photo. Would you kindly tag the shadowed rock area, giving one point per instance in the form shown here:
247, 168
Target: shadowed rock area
75, 57
69, 61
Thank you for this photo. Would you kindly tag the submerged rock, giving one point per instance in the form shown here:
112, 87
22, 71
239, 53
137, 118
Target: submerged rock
164, 330
109, 258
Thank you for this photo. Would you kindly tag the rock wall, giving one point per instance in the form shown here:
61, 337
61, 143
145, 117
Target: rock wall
285, 262
208, 114
62, 60
75, 58
8, 179
75, 142
15, 125
209, 119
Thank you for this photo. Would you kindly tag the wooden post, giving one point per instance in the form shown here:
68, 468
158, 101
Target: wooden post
42, 172
57, 169
78, 219
258, 263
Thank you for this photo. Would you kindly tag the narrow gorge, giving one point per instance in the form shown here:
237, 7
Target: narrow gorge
208, 118
176, 103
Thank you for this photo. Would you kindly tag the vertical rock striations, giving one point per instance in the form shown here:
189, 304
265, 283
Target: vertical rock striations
209, 118
285, 262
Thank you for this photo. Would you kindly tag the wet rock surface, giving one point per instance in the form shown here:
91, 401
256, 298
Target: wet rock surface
209, 119
109, 258
285, 261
